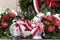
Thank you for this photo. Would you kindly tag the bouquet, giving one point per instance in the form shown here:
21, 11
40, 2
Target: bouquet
6, 17
51, 25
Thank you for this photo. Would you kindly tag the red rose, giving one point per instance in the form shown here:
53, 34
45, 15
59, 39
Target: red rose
56, 22
49, 17
51, 4
51, 28
4, 17
10, 13
4, 24
48, 3
46, 22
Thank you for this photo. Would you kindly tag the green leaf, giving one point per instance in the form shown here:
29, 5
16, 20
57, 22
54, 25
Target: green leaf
44, 8
23, 4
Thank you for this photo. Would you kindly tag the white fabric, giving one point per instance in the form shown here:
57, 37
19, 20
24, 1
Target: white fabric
20, 22
33, 30
13, 30
33, 25
23, 28
27, 33
36, 19
37, 37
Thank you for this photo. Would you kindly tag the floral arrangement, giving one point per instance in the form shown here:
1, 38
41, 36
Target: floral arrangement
6, 17
51, 25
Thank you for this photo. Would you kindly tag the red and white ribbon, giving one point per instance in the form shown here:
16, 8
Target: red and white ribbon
36, 6
27, 26
37, 28
34, 27
18, 25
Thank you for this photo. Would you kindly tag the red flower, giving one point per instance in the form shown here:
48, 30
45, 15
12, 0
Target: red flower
58, 6
11, 14
4, 24
50, 0
56, 22
46, 22
51, 28
49, 17
44, 0
51, 4
48, 3
4, 17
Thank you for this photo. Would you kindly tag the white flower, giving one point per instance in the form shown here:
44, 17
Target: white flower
48, 13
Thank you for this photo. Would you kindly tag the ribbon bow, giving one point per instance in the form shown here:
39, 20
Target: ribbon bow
34, 27
38, 27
